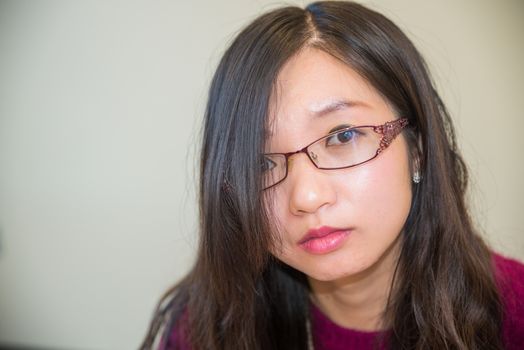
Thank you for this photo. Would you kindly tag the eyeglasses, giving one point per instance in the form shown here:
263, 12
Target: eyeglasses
340, 149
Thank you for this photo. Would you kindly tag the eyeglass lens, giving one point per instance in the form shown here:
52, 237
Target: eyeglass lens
342, 149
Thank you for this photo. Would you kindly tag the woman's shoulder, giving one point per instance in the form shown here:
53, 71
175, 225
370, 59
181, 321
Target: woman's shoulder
509, 275
177, 334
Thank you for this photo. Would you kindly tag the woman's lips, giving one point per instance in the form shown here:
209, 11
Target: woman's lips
323, 240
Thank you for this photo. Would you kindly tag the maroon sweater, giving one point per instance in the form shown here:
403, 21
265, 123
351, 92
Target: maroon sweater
329, 336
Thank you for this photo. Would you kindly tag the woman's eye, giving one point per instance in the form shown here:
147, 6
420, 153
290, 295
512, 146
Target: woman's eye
267, 164
341, 138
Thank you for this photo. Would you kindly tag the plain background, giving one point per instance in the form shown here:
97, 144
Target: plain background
100, 111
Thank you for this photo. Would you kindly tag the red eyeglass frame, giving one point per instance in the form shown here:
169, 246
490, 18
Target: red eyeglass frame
389, 131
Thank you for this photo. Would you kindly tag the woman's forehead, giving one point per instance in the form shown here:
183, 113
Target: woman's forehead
312, 85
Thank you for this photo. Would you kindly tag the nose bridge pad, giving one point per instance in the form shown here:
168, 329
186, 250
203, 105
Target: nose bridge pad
289, 164
314, 157
309, 155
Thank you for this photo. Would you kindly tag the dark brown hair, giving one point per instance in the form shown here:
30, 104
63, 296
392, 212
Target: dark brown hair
237, 296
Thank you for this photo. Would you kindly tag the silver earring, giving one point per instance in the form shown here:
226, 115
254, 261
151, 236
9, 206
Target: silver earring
416, 177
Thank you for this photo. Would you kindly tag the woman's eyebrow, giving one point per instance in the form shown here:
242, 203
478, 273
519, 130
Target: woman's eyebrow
319, 109
323, 108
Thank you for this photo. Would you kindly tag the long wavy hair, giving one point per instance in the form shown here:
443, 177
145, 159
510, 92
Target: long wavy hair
237, 296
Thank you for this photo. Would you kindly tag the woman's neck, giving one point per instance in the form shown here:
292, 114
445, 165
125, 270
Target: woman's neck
358, 301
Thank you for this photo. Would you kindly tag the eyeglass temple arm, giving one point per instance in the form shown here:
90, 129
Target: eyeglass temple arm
389, 131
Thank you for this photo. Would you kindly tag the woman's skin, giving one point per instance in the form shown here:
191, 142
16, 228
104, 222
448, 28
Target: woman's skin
371, 201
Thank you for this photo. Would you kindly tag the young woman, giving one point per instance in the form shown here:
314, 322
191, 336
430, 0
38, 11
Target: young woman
332, 212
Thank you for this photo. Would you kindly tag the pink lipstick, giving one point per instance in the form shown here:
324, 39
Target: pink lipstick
324, 239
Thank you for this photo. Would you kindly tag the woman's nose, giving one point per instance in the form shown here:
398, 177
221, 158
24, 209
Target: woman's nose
310, 187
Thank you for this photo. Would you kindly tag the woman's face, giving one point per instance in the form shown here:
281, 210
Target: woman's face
358, 211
